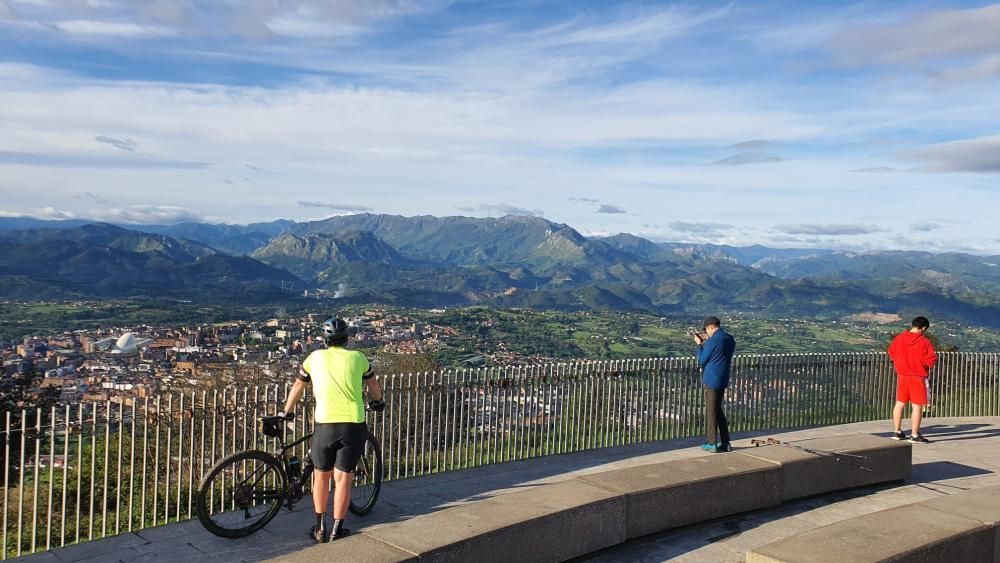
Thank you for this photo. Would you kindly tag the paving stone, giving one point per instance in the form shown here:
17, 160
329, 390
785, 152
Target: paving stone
164, 552
354, 549
106, 546
521, 525
43, 557
261, 540
885, 536
186, 530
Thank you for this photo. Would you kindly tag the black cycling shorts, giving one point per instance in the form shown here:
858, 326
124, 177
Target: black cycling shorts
338, 444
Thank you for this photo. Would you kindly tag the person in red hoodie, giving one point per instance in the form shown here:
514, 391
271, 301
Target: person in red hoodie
913, 355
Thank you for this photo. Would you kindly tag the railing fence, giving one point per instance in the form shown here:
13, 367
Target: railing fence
82, 472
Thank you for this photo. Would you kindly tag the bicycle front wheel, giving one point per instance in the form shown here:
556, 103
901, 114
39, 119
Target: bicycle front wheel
241, 494
367, 479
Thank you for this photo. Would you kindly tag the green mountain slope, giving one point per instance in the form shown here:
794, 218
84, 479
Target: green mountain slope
104, 260
507, 261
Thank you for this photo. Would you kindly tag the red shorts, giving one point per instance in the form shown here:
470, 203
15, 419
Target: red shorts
911, 389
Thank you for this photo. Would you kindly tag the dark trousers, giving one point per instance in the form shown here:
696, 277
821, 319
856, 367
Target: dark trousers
714, 417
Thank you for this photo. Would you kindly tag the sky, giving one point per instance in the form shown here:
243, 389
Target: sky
856, 126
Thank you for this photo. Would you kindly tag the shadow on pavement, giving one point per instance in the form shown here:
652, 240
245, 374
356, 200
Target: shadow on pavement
939, 432
954, 432
944, 470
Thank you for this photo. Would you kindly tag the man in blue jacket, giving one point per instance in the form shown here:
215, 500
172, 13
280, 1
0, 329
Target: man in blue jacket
715, 356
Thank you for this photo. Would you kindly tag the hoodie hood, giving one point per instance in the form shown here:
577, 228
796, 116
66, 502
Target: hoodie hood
912, 338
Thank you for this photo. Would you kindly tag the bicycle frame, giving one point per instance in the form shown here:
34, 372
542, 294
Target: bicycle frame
295, 489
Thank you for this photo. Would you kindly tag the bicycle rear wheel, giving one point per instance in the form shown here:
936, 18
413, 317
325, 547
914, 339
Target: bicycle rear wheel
367, 479
241, 494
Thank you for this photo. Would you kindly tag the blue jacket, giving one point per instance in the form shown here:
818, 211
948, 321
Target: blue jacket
715, 355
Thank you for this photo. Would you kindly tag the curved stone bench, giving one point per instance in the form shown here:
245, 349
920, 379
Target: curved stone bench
559, 521
957, 528
805, 474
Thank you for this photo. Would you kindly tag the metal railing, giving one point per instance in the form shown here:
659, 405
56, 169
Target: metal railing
81, 472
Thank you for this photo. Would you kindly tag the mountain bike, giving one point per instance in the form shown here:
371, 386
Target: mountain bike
244, 491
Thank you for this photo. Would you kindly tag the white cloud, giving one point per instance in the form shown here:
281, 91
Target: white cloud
164, 11
925, 227
985, 68
508, 209
253, 20
125, 144
647, 26
927, 37
116, 29
132, 215
743, 158
829, 229
349, 207
973, 155
305, 28
753, 145
610, 209
703, 231
216, 123
875, 170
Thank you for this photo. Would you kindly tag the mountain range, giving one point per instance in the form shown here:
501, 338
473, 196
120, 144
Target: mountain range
511, 261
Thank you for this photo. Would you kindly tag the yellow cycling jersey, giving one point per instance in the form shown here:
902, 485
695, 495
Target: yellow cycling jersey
336, 375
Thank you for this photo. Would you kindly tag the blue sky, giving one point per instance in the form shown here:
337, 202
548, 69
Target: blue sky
857, 126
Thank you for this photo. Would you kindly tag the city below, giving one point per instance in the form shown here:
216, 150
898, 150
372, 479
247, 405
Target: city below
124, 362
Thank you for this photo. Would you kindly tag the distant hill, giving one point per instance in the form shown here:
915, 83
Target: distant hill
22, 223
506, 261
318, 256
446, 240
230, 239
755, 255
105, 260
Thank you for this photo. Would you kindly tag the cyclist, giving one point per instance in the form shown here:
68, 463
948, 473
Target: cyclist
338, 441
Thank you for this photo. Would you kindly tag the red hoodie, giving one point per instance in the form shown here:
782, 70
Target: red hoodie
913, 354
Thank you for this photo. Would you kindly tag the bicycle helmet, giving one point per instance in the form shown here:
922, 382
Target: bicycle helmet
335, 328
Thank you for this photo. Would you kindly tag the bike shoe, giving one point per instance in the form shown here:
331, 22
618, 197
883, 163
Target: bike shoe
343, 533
318, 534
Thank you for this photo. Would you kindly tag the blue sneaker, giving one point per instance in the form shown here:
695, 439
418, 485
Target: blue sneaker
708, 447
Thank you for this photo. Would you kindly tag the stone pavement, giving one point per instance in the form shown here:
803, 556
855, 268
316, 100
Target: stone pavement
965, 454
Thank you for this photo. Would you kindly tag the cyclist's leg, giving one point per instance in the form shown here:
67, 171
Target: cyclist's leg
325, 443
352, 447
341, 492
321, 490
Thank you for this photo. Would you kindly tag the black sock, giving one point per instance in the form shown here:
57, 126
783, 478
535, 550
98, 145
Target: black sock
320, 520
337, 526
